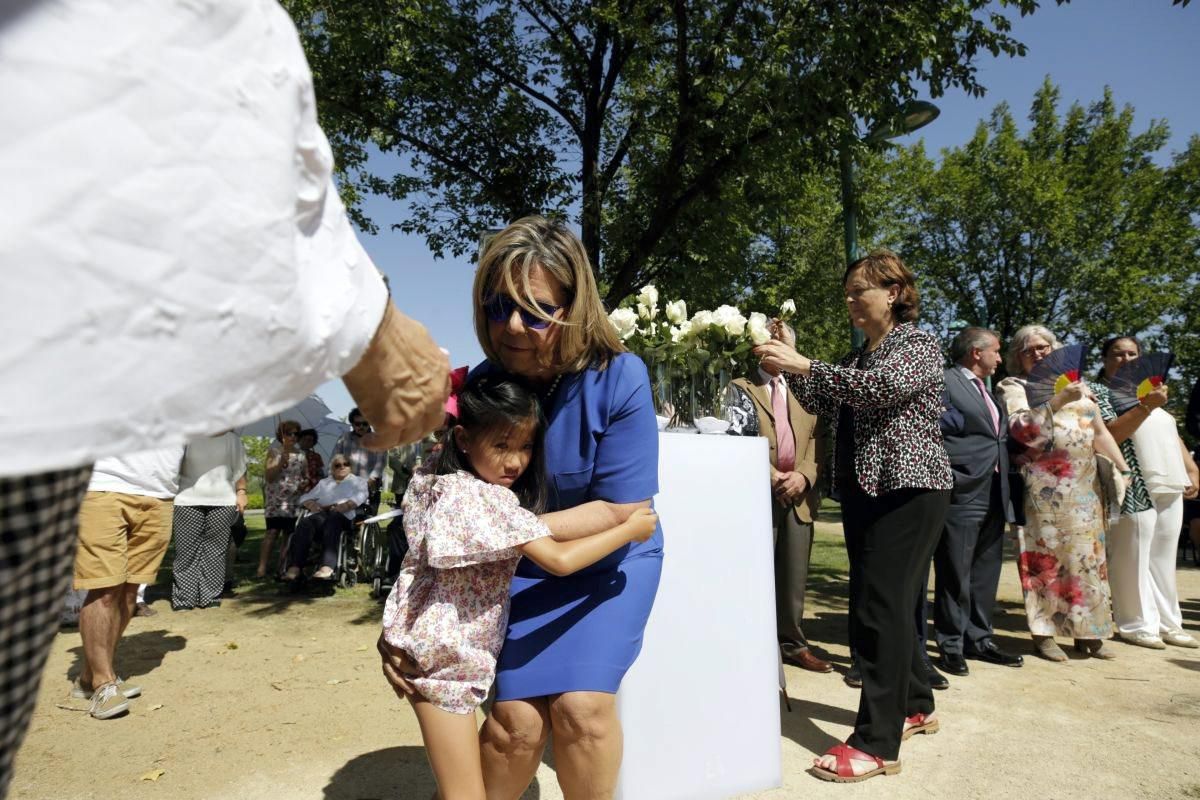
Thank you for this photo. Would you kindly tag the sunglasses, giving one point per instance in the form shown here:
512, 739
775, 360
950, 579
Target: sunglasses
339, 465
500, 308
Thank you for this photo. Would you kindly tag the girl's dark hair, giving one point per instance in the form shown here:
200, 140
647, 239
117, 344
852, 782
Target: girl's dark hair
1108, 345
490, 402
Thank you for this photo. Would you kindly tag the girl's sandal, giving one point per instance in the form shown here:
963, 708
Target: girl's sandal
844, 754
919, 723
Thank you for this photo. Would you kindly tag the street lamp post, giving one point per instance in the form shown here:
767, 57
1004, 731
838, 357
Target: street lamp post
917, 114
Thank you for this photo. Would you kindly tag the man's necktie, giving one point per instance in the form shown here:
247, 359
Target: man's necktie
785, 440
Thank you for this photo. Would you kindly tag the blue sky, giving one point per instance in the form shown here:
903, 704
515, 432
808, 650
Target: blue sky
1144, 49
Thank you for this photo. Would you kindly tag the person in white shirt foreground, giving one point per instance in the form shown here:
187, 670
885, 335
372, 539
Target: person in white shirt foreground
174, 261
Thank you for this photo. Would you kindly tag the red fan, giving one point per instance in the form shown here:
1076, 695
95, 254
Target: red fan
1135, 379
1063, 366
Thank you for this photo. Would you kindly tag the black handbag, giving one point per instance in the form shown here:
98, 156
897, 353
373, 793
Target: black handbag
237, 531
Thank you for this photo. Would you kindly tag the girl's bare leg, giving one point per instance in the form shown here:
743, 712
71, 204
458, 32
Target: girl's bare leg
452, 746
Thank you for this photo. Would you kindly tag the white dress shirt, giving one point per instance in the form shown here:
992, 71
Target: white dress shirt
331, 491
174, 258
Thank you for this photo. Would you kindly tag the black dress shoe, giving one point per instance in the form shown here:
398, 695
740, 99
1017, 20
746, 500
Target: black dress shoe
936, 679
989, 652
853, 676
955, 664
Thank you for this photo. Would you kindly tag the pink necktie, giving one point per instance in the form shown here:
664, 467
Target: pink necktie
785, 440
991, 407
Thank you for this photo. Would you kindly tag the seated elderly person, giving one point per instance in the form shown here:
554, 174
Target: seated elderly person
331, 505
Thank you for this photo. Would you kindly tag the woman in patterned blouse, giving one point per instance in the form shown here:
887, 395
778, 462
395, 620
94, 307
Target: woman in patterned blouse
1142, 542
894, 479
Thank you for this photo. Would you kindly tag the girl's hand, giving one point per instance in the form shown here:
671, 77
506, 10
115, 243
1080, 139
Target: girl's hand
641, 524
397, 668
782, 357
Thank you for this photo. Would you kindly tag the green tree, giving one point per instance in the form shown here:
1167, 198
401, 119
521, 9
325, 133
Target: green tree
1073, 224
636, 117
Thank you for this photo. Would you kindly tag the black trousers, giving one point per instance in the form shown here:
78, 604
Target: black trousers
890, 540
967, 562
328, 526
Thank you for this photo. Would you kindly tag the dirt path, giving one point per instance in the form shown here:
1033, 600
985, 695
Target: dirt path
272, 697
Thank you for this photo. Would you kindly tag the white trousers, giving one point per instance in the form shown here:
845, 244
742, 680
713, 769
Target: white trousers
1141, 567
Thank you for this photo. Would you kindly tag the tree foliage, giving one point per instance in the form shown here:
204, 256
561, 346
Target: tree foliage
638, 118
1074, 225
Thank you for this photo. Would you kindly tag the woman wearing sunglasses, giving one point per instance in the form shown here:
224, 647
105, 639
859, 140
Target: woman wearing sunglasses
571, 639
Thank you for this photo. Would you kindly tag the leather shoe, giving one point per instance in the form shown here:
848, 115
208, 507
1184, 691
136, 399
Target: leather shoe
804, 659
989, 652
853, 676
954, 663
936, 679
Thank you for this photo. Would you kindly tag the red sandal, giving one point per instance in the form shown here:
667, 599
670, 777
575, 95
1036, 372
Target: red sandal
919, 723
844, 754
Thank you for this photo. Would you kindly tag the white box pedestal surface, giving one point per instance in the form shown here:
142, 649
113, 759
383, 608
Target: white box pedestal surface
700, 707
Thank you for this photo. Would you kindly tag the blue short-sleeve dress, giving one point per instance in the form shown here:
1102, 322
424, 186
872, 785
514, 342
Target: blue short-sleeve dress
582, 632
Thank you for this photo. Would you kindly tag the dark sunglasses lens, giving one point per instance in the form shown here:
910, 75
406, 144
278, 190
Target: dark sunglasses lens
497, 308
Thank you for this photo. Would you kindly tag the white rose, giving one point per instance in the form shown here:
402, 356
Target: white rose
730, 319
681, 331
702, 321
677, 312
787, 309
624, 321
647, 302
759, 332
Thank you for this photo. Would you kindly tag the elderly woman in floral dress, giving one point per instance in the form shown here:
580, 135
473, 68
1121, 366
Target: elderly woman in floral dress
1062, 565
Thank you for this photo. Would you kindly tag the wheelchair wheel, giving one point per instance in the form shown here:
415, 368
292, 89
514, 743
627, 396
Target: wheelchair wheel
368, 545
376, 587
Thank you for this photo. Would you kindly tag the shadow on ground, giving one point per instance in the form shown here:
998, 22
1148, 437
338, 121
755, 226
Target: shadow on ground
138, 654
798, 724
395, 773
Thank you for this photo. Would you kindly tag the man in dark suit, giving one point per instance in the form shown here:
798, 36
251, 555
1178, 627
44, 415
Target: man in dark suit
969, 556
763, 405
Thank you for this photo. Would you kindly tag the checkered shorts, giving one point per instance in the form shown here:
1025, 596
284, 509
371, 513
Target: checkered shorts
37, 547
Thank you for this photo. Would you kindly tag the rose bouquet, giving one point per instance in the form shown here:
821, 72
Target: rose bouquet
690, 359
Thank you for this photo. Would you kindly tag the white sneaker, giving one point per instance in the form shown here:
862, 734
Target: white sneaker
1143, 639
108, 702
1180, 638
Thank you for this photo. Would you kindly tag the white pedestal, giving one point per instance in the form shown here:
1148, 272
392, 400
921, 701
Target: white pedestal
700, 707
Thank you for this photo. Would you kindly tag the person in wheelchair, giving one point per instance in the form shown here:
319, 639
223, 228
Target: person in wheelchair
331, 507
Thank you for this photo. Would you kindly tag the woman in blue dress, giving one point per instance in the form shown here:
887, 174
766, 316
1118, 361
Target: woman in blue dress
570, 639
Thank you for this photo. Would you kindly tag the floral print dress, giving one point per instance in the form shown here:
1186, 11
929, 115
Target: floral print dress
449, 608
1062, 564
289, 484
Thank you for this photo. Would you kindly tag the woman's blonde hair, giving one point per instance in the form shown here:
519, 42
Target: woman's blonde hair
1013, 360
587, 337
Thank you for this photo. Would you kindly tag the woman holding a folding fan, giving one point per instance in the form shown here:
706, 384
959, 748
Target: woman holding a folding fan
1054, 418
1142, 542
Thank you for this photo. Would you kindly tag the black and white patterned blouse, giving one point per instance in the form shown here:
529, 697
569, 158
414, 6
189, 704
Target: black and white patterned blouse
896, 400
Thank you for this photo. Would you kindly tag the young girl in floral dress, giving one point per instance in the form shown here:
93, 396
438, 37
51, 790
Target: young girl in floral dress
469, 519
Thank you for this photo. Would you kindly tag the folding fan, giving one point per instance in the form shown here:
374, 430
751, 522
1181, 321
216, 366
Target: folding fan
1053, 373
1135, 379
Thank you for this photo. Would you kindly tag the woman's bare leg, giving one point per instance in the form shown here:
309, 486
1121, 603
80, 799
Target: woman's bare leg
511, 742
452, 747
588, 744
264, 552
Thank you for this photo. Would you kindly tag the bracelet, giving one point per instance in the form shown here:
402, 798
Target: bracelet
243, 491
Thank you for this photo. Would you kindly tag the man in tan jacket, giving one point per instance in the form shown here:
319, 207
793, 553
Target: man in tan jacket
762, 405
